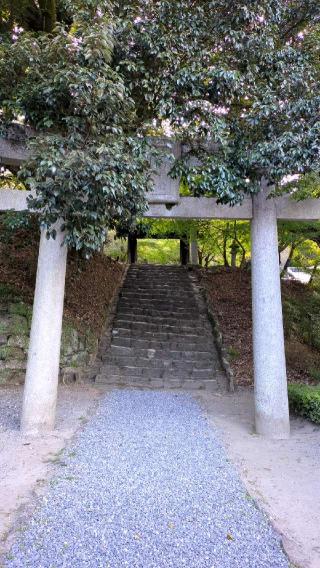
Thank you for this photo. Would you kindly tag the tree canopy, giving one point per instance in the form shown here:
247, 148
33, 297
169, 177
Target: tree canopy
87, 165
237, 82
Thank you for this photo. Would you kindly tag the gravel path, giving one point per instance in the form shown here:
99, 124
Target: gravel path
147, 485
10, 409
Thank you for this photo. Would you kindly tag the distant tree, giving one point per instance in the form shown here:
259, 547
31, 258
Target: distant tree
215, 238
302, 240
29, 14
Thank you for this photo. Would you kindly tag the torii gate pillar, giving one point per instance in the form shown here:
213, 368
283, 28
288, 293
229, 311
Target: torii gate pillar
41, 383
270, 380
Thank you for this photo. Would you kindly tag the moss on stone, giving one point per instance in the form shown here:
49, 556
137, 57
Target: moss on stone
4, 325
11, 353
91, 342
21, 309
69, 339
77, 347
21, 341
18, 325
6, 376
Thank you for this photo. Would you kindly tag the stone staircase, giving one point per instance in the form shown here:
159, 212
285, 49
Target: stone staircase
161, 336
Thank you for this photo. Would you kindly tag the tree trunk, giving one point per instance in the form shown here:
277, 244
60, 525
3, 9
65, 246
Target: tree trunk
313, 273
48, 15
225, 242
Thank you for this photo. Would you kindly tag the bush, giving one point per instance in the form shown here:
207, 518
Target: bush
305, 401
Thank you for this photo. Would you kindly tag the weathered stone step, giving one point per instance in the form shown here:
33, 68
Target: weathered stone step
161, 311
158, 305
149, 372
160, 321
157, 382
158, 315
195, 344
165, 363
181, 300
132, 293
157, 290
174, 354
154, 290
157, 335
156, 286
166, 281
146, 280
176, 328
154, 273
161, 336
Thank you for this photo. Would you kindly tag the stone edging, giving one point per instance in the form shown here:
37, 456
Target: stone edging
218, 336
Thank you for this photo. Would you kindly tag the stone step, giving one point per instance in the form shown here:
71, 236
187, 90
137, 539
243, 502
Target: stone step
157, 382
147, 279
195, 344
160, 317
149, 372
162, 336
152, 274
160, 321
146, 283
132, 291
156, 287
199, 328
165, 363
152, 293
162, 311
178, 299
158, 305
175, 355
157, 279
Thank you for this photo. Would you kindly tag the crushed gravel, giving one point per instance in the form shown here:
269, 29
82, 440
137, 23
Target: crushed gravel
147, 484
10, 409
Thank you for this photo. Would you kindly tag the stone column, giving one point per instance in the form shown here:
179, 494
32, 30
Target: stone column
270, 380
41, 384
132, 248
194, 255
234, 252
184, 252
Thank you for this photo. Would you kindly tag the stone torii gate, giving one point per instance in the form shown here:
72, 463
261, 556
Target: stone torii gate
270, 382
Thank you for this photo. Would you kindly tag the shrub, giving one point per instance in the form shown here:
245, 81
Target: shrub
305, 401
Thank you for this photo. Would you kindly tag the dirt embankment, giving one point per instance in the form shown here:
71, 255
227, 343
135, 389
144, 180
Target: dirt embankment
90, 285
229, 295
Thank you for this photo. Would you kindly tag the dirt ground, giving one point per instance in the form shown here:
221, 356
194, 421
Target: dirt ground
282, 476
90, 285
26, 464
